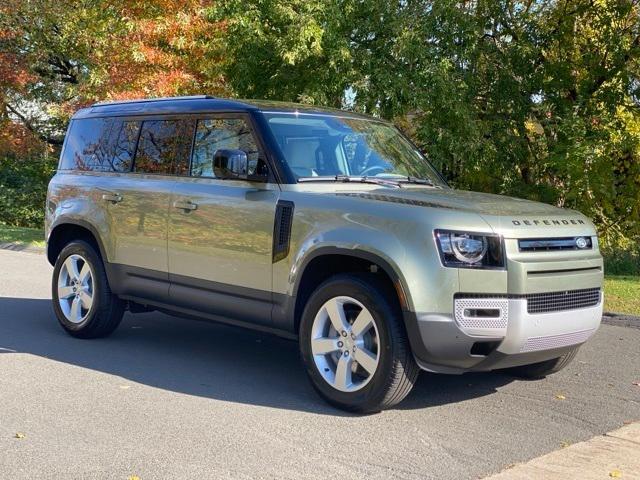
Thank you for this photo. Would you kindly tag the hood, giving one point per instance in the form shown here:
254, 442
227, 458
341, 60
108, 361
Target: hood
512, 217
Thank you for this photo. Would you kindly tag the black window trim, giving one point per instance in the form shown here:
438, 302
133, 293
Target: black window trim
275, 176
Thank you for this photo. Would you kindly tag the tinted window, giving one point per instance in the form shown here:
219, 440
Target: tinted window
221, 133
124, 145
88, 145
162, 145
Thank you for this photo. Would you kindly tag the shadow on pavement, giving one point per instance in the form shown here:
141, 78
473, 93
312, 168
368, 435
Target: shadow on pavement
204, 359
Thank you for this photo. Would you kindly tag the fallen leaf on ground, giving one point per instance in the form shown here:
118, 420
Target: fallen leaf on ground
560, 397
615, 474
19, 435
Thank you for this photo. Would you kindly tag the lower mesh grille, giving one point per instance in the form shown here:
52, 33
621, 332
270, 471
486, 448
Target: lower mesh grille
556, 341
558, 301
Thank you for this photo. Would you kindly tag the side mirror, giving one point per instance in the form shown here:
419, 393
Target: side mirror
231, 164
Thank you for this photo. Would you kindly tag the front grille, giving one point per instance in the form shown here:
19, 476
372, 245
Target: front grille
558, 301
554, 244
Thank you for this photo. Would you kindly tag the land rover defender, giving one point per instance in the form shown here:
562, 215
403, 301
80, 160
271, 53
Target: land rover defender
321, 225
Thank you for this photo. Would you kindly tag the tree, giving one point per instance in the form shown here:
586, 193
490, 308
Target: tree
534, 99
538, 99
58, 56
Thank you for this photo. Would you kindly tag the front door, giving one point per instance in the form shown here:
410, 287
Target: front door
221, 231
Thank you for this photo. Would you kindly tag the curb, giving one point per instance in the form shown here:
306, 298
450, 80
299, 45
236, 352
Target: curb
621, 320
21, 247
613, 455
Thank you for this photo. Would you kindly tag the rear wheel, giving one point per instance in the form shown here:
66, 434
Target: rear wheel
354, 345
542, 369
82, 299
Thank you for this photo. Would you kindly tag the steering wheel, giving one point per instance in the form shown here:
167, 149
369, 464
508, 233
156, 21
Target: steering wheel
367, 171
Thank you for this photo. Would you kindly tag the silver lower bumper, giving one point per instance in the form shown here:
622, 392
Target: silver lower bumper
519, 337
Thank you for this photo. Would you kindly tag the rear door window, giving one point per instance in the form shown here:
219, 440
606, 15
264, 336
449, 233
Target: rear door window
162, 147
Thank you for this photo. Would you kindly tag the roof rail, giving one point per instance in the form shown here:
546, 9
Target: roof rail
149, 100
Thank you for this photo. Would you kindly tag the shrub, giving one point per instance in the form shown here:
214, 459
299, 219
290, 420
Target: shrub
23, 190
622, 260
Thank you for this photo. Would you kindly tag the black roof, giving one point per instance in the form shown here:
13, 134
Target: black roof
199, 104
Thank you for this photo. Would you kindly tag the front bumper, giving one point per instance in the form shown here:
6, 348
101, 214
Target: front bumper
459, 343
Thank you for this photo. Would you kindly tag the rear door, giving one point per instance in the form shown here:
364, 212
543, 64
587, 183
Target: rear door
221, 231
139, 203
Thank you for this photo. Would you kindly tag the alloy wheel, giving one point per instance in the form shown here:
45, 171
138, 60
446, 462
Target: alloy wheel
345, 344
75, 288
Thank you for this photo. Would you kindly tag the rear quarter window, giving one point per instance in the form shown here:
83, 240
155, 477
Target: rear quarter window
87, 145
100, 145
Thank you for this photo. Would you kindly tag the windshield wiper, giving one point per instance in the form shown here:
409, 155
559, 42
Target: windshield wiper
348, 179
418, 181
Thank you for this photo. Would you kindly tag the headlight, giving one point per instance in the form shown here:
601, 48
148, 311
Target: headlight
470, 250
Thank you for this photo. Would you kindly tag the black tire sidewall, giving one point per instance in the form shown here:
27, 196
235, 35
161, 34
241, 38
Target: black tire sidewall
99, 285
381, 309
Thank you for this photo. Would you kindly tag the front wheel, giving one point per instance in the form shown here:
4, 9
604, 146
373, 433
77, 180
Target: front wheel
354, 345
82, 298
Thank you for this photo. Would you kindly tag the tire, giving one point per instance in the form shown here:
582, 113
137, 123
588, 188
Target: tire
385, 340
542, 369
84, 304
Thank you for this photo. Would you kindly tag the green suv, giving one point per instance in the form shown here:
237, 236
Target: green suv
320, 225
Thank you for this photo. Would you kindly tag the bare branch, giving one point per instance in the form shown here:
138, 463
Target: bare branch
51, 140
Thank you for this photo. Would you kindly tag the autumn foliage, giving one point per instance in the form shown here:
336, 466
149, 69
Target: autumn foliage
535, 99
56, 57
170, 48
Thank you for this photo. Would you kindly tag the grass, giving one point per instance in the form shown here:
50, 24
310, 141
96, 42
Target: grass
622, 294
26, 236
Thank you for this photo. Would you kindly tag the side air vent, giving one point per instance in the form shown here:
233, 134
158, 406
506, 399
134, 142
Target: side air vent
282, 230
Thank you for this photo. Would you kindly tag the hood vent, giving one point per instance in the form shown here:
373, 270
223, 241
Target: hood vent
389, 198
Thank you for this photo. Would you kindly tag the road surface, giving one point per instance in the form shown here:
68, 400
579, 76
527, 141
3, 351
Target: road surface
170, 398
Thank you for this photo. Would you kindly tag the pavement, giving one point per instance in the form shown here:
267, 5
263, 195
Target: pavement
165, 397
612, 455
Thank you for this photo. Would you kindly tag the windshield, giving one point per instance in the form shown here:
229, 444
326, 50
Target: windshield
321, 145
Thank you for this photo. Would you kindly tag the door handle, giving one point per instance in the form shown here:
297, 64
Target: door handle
112, 197
187, 206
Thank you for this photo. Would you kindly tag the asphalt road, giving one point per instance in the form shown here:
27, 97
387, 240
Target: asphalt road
171, 398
